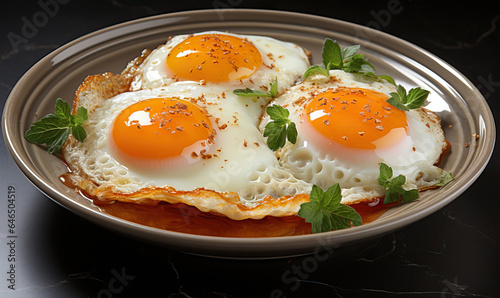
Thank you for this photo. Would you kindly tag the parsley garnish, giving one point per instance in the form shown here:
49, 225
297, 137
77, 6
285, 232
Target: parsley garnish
54, 129
345, 59
325, 212
445, 178
273, 91
280, 129
394, 186
405, 102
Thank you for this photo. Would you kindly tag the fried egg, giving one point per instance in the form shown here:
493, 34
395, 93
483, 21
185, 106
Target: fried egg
228, 61
180, 136
346, 129
181, 143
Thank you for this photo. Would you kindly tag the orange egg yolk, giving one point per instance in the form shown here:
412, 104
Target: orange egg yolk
161, 128
214, 58
357, 118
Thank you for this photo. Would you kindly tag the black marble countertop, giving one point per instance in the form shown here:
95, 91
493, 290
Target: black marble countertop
451, 253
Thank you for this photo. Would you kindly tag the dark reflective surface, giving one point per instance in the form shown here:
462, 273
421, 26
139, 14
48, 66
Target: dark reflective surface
453, 252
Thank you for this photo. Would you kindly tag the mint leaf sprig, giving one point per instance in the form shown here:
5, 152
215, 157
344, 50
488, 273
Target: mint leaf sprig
280, 129
247, 92
394, 186
345, 59
54, 129
414, 99
325, 212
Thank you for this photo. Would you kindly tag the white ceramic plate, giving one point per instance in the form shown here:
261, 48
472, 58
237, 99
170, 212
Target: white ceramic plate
458, 103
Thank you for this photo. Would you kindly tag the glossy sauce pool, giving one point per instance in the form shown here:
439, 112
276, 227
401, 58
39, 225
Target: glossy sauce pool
186, 219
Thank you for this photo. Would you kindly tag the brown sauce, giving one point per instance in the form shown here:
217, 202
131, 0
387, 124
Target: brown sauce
186, 219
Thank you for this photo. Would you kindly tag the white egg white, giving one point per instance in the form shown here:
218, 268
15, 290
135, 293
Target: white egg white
357, 170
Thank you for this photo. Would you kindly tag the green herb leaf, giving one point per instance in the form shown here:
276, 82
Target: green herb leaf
445, 178
80, 116
325, 212
387, 78
394, 186
251, 92
316, 69
62, 109
385, 174
277, 112
413, 100
291, 133
345, 59
280, 129
54, 129
409, 196
331, 54
349, 52
397, 98
79, 133
273, 91
276, 135
358, 64
416, 98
